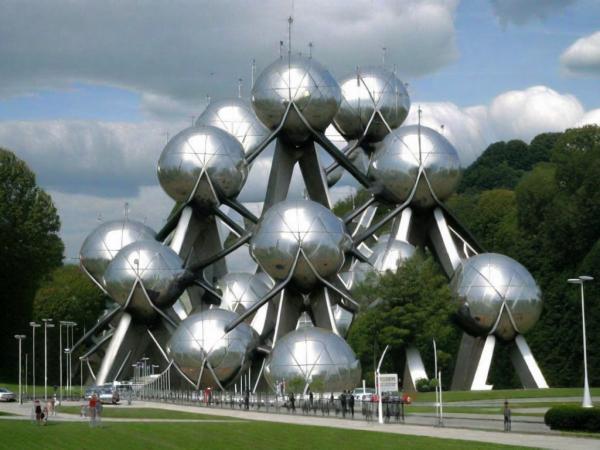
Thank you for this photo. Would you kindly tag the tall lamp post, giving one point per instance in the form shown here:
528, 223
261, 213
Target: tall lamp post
587, 398
47, 324
33, 326
20, 337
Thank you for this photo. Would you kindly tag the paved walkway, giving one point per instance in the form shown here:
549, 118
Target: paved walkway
417, 425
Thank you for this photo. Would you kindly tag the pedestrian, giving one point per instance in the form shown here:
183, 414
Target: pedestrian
45, 415
507, 418
92, 409
310, 398
351, 403
99, 409
293, 402
37, 409
247, 399
343, 402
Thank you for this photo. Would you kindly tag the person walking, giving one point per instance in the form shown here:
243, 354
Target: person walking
351, 403
293, 402
343, 403
310, 398
507, 416
92, 409
37, 410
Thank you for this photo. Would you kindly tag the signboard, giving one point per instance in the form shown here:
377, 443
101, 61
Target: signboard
388, 382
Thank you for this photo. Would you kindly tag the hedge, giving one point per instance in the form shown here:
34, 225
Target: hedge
573, 418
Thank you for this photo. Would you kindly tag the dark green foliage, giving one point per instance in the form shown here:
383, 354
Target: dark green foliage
29, 249
415, 307
551, 224
67, 294
573, 418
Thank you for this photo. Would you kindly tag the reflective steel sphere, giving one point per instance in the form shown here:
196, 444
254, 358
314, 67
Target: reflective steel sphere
237, 117
483, 283
365, 91
101, 246
396, 165
389, 254
292, 225
199, 154
300, 80
154, 265
313, 357
240, 291
200, 341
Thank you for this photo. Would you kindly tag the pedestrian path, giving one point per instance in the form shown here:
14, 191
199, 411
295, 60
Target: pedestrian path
461, 428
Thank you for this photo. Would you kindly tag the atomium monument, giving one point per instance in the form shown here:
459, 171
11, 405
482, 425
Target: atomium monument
175, 299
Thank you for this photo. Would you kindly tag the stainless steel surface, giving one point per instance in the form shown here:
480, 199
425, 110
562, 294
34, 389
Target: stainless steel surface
237, 117
102, 244
198, 161
315, 358
142, 272
389, 254
239, 291
364, 93
415, 154
206, 353
304, 82
294, 225
496, 294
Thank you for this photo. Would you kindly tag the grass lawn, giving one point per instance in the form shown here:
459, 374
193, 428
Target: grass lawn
489, 409
39, 390
143, 413
459, 396
2, 413
243, 435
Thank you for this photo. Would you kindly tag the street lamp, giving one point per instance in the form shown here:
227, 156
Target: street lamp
33, 326
20, 337
67, 351
587, 398
47, 324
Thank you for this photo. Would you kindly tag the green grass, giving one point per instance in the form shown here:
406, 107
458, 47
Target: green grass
2, 413
448, 408
458, 396
142, 413
243, 435
39, 390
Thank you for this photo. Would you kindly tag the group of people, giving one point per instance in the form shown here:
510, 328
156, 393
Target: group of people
347, 403
93, 410
41, 413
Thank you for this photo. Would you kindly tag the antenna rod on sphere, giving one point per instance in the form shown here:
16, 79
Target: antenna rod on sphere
290, 22
240, 87
253, 72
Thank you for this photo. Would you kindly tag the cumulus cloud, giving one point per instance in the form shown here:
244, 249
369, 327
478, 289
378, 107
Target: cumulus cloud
519, 12
590, 118
203, 47
103, 158
524, 114
583, 56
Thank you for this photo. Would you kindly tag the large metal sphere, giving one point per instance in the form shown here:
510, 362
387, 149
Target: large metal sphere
396, 165
102, 244
313, 357
199, 154
300, 80
292, 225
483, 283
148, 268
365, 91
389, 254
200, 344
237, 117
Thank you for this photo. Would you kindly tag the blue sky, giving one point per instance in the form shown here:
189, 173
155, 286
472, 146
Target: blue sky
89, 89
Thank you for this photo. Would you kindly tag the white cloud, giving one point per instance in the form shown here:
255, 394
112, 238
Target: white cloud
520, 12
583, 56
590, 118
206, 46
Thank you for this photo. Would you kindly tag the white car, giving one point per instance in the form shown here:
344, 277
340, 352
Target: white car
7, 396
363, 394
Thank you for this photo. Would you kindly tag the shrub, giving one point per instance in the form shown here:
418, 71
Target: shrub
573, 418
423, 385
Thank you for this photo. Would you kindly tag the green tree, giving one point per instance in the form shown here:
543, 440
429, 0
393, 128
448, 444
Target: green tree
30, 249
414, 306
67, 294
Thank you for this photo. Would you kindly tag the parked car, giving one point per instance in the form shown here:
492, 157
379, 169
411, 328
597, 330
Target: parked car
7, 396
105, 393
363, 394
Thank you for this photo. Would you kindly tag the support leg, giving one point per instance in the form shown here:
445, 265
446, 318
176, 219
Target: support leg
473, 363
414, 369
526, 366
